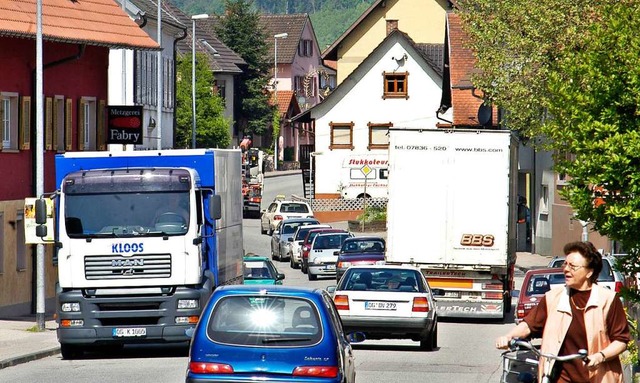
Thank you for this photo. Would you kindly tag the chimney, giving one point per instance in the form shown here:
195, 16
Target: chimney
392, 25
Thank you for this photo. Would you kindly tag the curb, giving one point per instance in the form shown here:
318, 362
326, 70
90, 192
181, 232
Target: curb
29, 357
280, 173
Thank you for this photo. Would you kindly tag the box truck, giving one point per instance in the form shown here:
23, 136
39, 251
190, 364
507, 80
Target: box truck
452, 212
142, 239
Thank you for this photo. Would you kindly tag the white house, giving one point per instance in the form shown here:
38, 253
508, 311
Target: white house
133, 75
399, 85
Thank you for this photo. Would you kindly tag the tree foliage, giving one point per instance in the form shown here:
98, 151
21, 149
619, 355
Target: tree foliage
568, 74
212, 128
240, 31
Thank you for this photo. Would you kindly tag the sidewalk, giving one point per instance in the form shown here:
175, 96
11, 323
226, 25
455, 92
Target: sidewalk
20, 344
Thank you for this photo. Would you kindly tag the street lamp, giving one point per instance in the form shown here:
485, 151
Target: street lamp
275, 89
193, 76
311, 191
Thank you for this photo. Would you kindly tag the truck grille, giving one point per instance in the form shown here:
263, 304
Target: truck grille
130, 267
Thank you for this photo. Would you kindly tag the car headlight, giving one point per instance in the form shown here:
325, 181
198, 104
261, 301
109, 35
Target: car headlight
317, 261
188, 303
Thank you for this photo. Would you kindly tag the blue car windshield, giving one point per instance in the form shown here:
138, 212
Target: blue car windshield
265, 321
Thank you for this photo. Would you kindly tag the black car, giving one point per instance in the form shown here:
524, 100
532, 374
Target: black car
365, 250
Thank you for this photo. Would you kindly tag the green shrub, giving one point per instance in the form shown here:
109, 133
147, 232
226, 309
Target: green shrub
373, 213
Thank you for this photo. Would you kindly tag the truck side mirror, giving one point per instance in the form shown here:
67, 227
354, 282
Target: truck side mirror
215, 206
41, 212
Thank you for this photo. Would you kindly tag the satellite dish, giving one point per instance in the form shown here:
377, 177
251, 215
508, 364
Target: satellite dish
485, 115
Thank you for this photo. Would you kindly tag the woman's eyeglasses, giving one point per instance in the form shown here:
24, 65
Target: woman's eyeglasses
571, 266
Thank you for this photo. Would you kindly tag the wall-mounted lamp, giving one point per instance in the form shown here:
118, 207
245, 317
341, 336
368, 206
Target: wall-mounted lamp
401, 60
152, 123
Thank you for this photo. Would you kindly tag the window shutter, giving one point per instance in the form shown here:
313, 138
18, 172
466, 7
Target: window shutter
25, 141
68, 128
80, 124
101, 143
55, 124
48, 124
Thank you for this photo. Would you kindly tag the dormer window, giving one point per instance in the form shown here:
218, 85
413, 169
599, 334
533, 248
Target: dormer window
395, 84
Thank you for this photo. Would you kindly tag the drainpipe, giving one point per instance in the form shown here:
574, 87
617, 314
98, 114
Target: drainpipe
175, 77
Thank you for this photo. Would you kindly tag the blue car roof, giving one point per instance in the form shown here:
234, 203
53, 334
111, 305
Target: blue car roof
294, 291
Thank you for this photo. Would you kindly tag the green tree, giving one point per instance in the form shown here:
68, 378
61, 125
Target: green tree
568, 75
239, 29
212, 128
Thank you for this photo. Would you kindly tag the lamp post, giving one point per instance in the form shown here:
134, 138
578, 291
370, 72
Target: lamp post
311, 191
193, 76
275, 90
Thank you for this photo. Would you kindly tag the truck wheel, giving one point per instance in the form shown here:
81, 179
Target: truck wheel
312, 277
430, 343
70, 351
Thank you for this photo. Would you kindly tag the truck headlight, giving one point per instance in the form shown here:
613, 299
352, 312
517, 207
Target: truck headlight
188, 303
70, 307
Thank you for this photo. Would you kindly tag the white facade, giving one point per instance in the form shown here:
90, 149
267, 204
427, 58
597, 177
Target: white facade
359, 100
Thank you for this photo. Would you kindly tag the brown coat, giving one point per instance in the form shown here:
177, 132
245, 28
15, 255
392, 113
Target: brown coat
595, 314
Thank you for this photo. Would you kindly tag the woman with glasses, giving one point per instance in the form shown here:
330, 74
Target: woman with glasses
582, 315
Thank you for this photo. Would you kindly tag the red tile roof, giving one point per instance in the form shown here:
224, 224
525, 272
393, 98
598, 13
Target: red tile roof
285, 99
91, 22
464, 98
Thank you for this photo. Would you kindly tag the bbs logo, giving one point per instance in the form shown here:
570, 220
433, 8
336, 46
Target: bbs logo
486, 240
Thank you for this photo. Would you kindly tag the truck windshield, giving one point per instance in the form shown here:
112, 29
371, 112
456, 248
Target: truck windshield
126, 214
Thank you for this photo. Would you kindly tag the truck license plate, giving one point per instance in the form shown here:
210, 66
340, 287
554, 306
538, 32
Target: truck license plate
379, 305
129, 332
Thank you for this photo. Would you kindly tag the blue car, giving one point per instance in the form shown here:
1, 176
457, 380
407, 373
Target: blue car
250, 333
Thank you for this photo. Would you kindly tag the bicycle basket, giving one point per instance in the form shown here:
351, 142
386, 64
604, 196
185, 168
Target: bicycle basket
519, 366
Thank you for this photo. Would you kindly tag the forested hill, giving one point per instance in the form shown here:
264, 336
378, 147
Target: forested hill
330, 18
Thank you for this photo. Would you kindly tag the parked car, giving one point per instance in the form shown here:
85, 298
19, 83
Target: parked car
388, 302
295, 258
306, 245
609, 277
323, 254
271, 334
260, 271
365, 250
284, 230
281, 209
535, 284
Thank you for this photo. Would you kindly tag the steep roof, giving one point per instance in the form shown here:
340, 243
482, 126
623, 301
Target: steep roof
91, 22
286, 100
221, 57
459, 67
292, 24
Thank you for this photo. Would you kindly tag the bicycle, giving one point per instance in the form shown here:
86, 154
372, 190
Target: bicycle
521, 362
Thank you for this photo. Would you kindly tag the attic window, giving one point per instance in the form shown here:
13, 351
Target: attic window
305, 48
210, 48
395, 85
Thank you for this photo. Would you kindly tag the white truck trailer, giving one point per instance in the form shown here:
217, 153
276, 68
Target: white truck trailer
452, 212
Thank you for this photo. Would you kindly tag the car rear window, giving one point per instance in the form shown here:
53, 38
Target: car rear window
606, 274
362, 246
541, 283
294, 208
257, 270
265, 321
329, 241
382, 280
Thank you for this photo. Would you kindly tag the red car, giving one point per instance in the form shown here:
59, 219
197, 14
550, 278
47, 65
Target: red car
535, 284
306, 245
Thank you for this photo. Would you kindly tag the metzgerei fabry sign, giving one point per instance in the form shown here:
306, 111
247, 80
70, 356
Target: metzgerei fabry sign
124, 125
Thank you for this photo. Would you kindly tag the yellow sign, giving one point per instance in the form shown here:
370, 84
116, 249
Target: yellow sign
366, 170
30, 224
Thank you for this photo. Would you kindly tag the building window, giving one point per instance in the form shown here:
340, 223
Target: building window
9, 120
87, 124
305, 48
341, 135
58, 123
544, 199
379, 135
21, 247
220, 87
395, 85
2, 242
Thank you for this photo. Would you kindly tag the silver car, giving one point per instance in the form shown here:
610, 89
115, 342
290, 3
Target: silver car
295, 248
323, 254
280, 245
609, 277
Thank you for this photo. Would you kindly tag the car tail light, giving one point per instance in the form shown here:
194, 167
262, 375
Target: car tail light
210, 368
342, 302
316, 371
492, 295
277, 217
619, 286
420, 304
520, 311
492, 286
344, 264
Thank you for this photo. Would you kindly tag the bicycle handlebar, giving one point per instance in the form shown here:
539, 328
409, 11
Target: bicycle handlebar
515, 343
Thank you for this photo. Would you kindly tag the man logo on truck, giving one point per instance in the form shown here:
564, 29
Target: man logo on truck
486, 240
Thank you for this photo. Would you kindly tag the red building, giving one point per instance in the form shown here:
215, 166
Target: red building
77, 36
